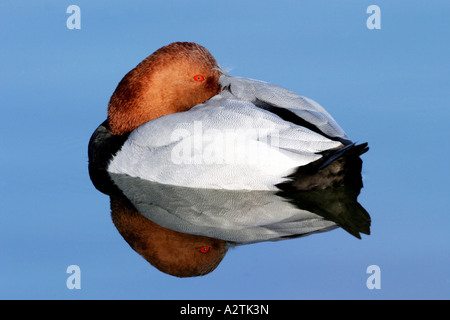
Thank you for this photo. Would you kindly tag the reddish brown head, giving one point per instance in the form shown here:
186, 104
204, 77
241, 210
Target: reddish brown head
173, 79
172, 252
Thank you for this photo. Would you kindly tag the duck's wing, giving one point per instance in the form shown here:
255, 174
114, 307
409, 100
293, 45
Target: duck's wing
286, 104
225, 143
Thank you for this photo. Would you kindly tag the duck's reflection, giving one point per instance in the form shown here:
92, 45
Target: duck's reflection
175, 253
187, 232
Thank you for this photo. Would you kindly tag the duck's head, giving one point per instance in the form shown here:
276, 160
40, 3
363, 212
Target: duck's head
172, 79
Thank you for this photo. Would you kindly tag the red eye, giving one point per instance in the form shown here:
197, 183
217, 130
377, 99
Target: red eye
204, 249
199, 78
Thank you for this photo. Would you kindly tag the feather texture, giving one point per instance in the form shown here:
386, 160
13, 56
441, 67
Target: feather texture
229, 142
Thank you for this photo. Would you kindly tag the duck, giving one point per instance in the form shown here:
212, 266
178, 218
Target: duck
179, 119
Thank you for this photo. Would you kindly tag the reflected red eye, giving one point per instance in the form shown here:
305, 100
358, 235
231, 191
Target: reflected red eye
199, 78
204, 249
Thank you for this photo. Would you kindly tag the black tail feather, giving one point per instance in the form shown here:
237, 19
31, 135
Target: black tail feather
336, 168
329, 187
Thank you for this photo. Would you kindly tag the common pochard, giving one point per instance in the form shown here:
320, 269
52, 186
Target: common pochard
178, 119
